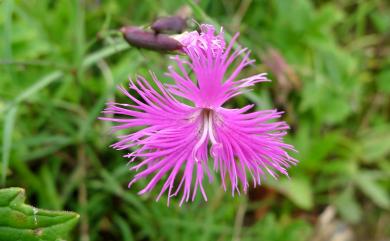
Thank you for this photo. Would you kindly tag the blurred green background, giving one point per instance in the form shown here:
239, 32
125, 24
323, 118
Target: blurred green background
329, 62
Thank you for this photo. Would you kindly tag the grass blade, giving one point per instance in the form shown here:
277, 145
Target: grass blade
40, 84
7, 141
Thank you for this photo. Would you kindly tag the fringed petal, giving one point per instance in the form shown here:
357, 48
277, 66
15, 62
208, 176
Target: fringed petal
250, 143
167, 136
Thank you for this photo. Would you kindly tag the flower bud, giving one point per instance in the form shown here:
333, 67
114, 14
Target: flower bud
171, 24
149, 40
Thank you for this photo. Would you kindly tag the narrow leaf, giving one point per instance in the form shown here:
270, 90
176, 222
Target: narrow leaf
40, 84
7, 141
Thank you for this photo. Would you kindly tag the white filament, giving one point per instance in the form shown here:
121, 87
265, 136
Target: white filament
206, 132
210, 129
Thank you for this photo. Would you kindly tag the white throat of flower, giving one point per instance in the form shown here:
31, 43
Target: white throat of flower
207, 131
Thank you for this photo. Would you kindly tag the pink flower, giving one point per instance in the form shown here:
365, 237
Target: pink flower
203, 41
174, 139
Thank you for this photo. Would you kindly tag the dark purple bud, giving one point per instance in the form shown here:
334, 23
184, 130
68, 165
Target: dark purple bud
149, 40
170, 24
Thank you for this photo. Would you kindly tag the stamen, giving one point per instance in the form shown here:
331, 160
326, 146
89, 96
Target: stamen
207, 125
203, 137
210, 129
215, 144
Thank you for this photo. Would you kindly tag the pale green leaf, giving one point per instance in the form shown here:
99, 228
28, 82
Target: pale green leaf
371, 188
298, 190
348, 207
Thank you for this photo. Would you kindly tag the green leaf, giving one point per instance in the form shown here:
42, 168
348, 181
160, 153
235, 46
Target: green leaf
40, 84
375, 143
298, 190
348, 207
384, 81
7, 141
370, 187
23, 222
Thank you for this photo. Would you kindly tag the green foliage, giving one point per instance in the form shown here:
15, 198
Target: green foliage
23, 222
269, 228
61, 60
298, 190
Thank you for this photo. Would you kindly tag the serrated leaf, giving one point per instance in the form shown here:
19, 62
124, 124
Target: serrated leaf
20, 221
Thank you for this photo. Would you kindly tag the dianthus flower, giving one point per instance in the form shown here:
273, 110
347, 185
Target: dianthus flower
178, 130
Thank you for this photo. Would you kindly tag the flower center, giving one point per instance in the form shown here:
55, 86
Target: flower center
207, 131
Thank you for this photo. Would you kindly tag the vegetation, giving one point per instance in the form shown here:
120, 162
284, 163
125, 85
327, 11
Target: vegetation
329, 62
